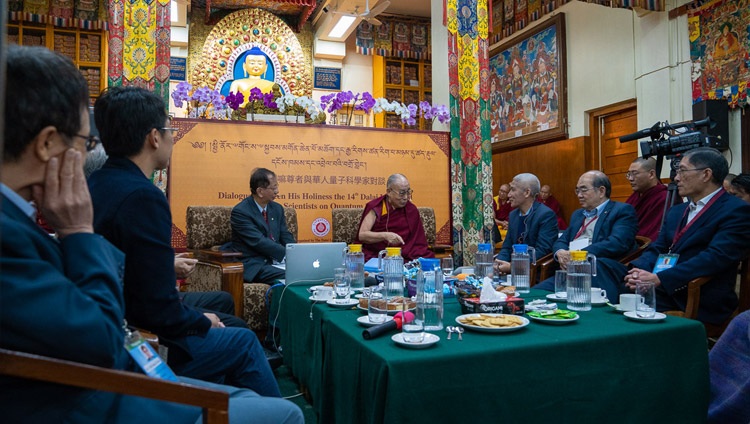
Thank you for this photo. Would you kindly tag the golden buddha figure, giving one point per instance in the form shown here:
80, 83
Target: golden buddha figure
255, 67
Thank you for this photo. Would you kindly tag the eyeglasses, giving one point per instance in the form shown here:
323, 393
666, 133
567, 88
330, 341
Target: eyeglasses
91, 141
681, 171
631, 174
170, 129
580, 190
403, 193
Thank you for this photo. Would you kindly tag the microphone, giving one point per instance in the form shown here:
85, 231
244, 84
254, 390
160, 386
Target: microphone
648, 132
395, 324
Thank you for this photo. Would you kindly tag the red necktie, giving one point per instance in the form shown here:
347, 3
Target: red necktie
265, 216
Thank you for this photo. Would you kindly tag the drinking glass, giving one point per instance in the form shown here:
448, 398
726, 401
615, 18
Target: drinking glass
646, 307
561, 284
341, 283
377, 307
412, 327
446, 264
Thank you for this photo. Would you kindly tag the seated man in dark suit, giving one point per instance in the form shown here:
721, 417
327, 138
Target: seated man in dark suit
729, 361
604, 228
259, 229
134, 215
711, 234
531, 223
62, 297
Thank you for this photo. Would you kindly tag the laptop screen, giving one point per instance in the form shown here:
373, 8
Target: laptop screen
313, 262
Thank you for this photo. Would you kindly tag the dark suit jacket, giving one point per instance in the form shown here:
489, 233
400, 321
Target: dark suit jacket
614, 231
541, 231
134, 216
712, 246
250, 235
64, 300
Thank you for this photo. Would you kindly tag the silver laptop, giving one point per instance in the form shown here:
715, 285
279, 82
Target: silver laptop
313, 262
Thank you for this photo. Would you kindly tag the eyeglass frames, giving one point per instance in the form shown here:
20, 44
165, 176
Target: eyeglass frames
91, 141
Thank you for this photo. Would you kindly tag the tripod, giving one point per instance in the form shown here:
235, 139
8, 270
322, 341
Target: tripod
671, 187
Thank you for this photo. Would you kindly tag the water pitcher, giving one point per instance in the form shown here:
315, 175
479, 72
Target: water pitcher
430, 293
483, 266
354, 262
581, 268
520, 264
392, 264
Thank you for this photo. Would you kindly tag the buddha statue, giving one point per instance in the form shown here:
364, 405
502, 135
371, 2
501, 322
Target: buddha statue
255, 67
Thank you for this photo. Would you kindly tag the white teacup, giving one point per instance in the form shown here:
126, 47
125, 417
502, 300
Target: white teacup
322, 292
598, 295
628, 302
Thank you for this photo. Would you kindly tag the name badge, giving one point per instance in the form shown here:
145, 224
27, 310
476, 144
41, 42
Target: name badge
665, 261
580, 244
146, 358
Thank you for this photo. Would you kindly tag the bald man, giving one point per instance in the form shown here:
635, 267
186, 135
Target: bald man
547, 199
648, 197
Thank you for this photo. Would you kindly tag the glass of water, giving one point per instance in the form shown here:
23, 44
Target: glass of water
377, 307
646, 307
446, 264
341, 283
412, 328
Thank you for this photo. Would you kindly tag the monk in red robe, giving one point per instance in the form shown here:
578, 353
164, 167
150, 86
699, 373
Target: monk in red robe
648, 196
547, 199
502, 207
393, 220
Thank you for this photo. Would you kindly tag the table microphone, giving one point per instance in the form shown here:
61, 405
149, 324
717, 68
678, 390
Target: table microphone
381, 329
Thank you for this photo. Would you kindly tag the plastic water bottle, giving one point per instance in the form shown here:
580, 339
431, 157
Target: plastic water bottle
392, 264
355, 266
580, 271
483, 260
430, 294
520, 261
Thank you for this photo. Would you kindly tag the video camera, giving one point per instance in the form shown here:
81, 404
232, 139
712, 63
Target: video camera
666, 141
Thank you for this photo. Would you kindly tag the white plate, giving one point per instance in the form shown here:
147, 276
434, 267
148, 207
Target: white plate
342, 303
600, 303
524, 323
390, 311
616, 307
429, 340
658, 316
555, 321
316, 299
553, 297
365, 320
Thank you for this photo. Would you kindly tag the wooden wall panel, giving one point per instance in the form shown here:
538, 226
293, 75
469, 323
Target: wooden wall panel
558, 164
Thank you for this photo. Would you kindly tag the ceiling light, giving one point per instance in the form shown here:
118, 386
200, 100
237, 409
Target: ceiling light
341, 27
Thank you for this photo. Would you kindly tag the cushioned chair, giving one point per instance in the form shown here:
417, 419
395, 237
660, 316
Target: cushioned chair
345, 226
208, 227
215, 403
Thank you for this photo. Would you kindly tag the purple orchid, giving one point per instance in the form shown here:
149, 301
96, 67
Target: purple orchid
234, 100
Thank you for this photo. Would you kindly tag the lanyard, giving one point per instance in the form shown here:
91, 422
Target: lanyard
584, 226
678, 235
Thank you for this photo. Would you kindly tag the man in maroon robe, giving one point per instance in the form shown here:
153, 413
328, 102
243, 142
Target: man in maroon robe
648, 196
393, 220
547, 199
502, 207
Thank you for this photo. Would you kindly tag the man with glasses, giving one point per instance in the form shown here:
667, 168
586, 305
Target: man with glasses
393, 220
134, 215
531, 223
603, 227
707, 236
649, 196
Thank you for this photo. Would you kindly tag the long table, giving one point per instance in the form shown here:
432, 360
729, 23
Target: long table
601, 368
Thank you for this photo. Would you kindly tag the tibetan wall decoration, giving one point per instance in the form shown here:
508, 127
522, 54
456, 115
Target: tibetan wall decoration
253, 48
720, 51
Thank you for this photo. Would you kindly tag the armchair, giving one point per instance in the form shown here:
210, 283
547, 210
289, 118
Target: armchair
208, 227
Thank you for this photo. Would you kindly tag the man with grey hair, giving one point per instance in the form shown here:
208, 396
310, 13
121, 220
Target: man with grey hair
649, 196
530, 222
604, 228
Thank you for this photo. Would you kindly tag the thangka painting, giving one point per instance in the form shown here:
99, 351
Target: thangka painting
528, 91
720, 51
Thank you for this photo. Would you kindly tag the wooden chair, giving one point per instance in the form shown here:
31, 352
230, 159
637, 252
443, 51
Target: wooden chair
713, 331
215, 403
209, 227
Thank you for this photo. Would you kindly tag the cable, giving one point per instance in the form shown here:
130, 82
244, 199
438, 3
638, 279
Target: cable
292, 396
278, 310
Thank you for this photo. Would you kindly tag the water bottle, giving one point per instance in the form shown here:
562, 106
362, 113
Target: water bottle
392, 264
520, 261
354, 262
430, 294
580, 271
483, 260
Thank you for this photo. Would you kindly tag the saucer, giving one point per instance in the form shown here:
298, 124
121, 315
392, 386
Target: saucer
365, 320
342, 303
429, 340
317, 299
616, 308
658, 316
553, 297
600, 302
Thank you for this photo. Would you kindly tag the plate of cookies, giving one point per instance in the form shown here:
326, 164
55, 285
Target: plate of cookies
492, 323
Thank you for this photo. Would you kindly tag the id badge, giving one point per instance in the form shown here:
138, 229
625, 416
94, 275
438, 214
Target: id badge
580, 244
665, 261
146, 358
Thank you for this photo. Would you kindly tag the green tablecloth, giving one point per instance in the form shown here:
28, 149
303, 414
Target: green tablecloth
602, 368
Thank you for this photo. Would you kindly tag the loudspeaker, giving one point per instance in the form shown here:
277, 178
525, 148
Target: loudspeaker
718, 111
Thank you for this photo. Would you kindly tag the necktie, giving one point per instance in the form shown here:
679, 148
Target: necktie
265, 215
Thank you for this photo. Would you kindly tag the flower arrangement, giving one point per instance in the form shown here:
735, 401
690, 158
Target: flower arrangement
202, 102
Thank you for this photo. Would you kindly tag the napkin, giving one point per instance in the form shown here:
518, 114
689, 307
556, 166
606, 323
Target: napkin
489, 294
540, 305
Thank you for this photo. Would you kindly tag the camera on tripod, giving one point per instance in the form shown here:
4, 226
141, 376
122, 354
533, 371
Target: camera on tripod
666, 140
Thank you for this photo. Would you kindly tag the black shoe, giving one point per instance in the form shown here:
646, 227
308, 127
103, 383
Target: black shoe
275, 359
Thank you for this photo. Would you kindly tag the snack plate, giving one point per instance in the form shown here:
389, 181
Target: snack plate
390, 312
658, 316
554, 321
429, 340
524, 323
342, 303
365, 320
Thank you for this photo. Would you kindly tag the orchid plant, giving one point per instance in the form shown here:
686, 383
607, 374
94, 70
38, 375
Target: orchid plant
202, 102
